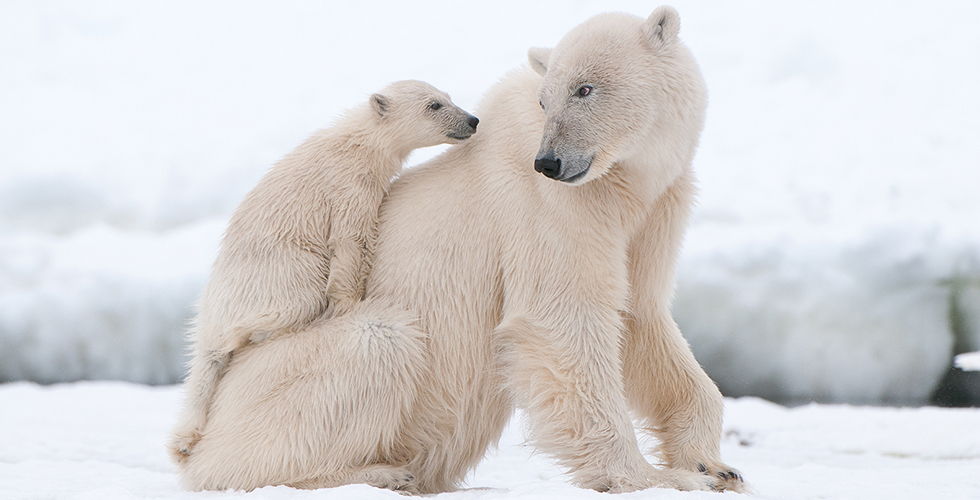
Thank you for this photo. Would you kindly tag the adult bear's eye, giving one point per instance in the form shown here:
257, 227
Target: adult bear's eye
435, 105
541, 104
584, 90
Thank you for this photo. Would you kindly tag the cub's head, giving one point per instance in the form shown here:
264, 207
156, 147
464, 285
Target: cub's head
421, 115
618, 88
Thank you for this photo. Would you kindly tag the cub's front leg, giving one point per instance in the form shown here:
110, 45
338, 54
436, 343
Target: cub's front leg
351, 246
348, 265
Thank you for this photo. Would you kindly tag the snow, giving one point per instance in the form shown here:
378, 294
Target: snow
834, 256
969, 361
104, 440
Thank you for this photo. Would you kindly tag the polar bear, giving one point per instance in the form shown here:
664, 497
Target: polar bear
496, 287
299, 245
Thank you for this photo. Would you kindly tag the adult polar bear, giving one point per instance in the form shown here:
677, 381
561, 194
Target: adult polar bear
494, 285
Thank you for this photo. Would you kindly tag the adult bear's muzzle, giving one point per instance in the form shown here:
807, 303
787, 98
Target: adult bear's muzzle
551, 166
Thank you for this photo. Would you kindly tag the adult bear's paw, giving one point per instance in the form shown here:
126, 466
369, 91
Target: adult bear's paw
729, 479
652, 477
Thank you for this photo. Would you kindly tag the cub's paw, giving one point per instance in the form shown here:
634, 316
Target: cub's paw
182, 444
392, 478
341, 304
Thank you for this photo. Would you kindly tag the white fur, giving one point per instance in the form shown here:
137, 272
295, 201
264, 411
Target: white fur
494, 286
299, 245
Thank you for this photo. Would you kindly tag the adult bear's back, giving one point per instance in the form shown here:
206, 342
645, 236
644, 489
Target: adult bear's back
443, 222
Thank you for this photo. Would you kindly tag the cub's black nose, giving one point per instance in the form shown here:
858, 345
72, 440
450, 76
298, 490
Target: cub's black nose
550, 168
473, 121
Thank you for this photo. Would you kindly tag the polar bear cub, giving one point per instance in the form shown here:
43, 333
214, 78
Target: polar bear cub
299, 245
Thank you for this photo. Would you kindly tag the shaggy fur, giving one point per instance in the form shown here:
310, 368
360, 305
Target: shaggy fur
299, 246
495, 286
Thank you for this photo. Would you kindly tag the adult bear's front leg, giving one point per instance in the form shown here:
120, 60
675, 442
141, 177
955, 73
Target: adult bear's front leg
664, 383
570, 383
680, 404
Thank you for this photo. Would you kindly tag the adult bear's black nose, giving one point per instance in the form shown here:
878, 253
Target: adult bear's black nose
547, 166
473, 121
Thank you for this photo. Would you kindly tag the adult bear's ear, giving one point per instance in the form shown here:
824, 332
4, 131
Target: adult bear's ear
538, 57
379, 104
662, 26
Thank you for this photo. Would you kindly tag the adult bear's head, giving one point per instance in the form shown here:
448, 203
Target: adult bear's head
616, 89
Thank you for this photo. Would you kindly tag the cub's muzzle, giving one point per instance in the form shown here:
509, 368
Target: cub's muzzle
465, 130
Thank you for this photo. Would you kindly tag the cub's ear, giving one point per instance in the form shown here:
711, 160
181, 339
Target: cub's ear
379, 104
662, 26
538, 57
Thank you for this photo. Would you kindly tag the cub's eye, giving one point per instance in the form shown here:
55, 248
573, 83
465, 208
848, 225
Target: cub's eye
435, 105
584, 90
541, 104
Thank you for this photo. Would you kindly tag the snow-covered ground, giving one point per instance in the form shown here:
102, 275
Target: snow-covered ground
104, 441
835, 255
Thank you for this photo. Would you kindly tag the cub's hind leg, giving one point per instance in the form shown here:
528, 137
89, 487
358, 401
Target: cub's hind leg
202, 380
323, 406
